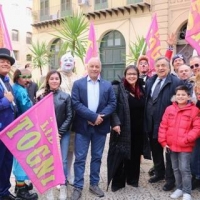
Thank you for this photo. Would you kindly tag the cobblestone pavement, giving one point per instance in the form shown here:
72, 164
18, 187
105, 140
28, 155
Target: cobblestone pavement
145, 191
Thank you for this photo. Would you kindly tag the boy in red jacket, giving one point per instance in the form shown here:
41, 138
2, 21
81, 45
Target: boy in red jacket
178, 131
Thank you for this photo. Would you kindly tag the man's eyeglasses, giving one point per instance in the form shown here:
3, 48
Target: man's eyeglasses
195, 65
25, 76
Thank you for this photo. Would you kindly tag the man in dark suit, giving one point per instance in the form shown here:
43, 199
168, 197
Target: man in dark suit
154, 109
93, 101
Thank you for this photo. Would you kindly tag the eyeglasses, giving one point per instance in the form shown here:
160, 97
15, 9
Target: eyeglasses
195, 65
131, 74
143, 63
25, 76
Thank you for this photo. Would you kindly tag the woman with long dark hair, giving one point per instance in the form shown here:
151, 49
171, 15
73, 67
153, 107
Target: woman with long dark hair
127, 129
63, 111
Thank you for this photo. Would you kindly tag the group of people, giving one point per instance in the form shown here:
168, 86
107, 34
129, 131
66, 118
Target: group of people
144, 116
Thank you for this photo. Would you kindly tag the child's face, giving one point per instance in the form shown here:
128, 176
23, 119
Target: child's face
182, 97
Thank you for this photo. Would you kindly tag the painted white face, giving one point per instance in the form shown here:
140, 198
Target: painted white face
67, 62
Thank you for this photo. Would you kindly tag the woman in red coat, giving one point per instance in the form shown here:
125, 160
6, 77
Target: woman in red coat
178, 132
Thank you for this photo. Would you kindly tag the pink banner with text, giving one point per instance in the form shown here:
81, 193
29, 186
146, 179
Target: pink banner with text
153, 44
193, 26
33, 140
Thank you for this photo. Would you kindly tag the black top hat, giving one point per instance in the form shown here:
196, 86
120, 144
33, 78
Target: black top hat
5, 53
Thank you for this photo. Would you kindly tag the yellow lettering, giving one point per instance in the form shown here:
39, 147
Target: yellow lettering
196, 37
34, 158
45, 167
47, 180
25, 123
195, 6
156, 53
49, 135
28, 141
44, 125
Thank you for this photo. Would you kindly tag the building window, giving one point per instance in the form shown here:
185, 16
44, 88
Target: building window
16, 54
101, 4
28, 57
15, 35
28, 38
65, 8
55, 58
182, 32
44, 10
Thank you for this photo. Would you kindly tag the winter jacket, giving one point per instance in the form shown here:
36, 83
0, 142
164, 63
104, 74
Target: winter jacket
63, 111
180, 127
163, 100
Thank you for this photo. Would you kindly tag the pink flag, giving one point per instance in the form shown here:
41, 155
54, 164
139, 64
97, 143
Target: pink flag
33, 140
153, 44
193, 26
4, 36
92, 50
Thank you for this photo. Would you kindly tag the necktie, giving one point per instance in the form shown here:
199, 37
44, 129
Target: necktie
156, 90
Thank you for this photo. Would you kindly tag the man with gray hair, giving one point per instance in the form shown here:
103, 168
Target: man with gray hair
159, 90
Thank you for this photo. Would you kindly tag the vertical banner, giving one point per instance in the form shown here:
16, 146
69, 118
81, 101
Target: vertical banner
33, 140
193, 26
92, 50
153, 44
4, 36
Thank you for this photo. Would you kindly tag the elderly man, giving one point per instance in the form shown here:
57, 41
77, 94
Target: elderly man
195, 64
93, 100
7, 115
159, 90
184, 73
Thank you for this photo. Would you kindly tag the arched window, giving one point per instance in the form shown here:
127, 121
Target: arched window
55, 57
183, 47
112, 53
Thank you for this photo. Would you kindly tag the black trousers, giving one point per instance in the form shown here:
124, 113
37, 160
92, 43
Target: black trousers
161, 169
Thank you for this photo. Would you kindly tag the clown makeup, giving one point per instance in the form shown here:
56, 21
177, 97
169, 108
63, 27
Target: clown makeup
67, 62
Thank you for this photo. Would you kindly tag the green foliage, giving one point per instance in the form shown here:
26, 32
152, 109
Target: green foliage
73, 31
136, 49
40, 54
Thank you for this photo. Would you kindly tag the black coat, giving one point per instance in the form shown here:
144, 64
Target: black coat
63, 110
163, 100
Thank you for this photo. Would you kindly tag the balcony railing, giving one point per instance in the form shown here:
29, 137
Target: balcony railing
51, 13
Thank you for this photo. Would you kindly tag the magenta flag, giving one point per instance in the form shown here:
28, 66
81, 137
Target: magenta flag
193, 26
92, 50
4, 36
33, 140
153, 44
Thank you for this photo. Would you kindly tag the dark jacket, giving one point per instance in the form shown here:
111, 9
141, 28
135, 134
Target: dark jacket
107, 104
32, 89
121, 117
163, 100
63, 111
7, 114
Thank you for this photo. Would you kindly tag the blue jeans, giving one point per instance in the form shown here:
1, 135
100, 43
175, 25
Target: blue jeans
195, 160
64, 145
82, 143
181, 168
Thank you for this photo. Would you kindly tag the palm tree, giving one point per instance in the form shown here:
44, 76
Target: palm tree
72, 31
40, 54
136, 49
